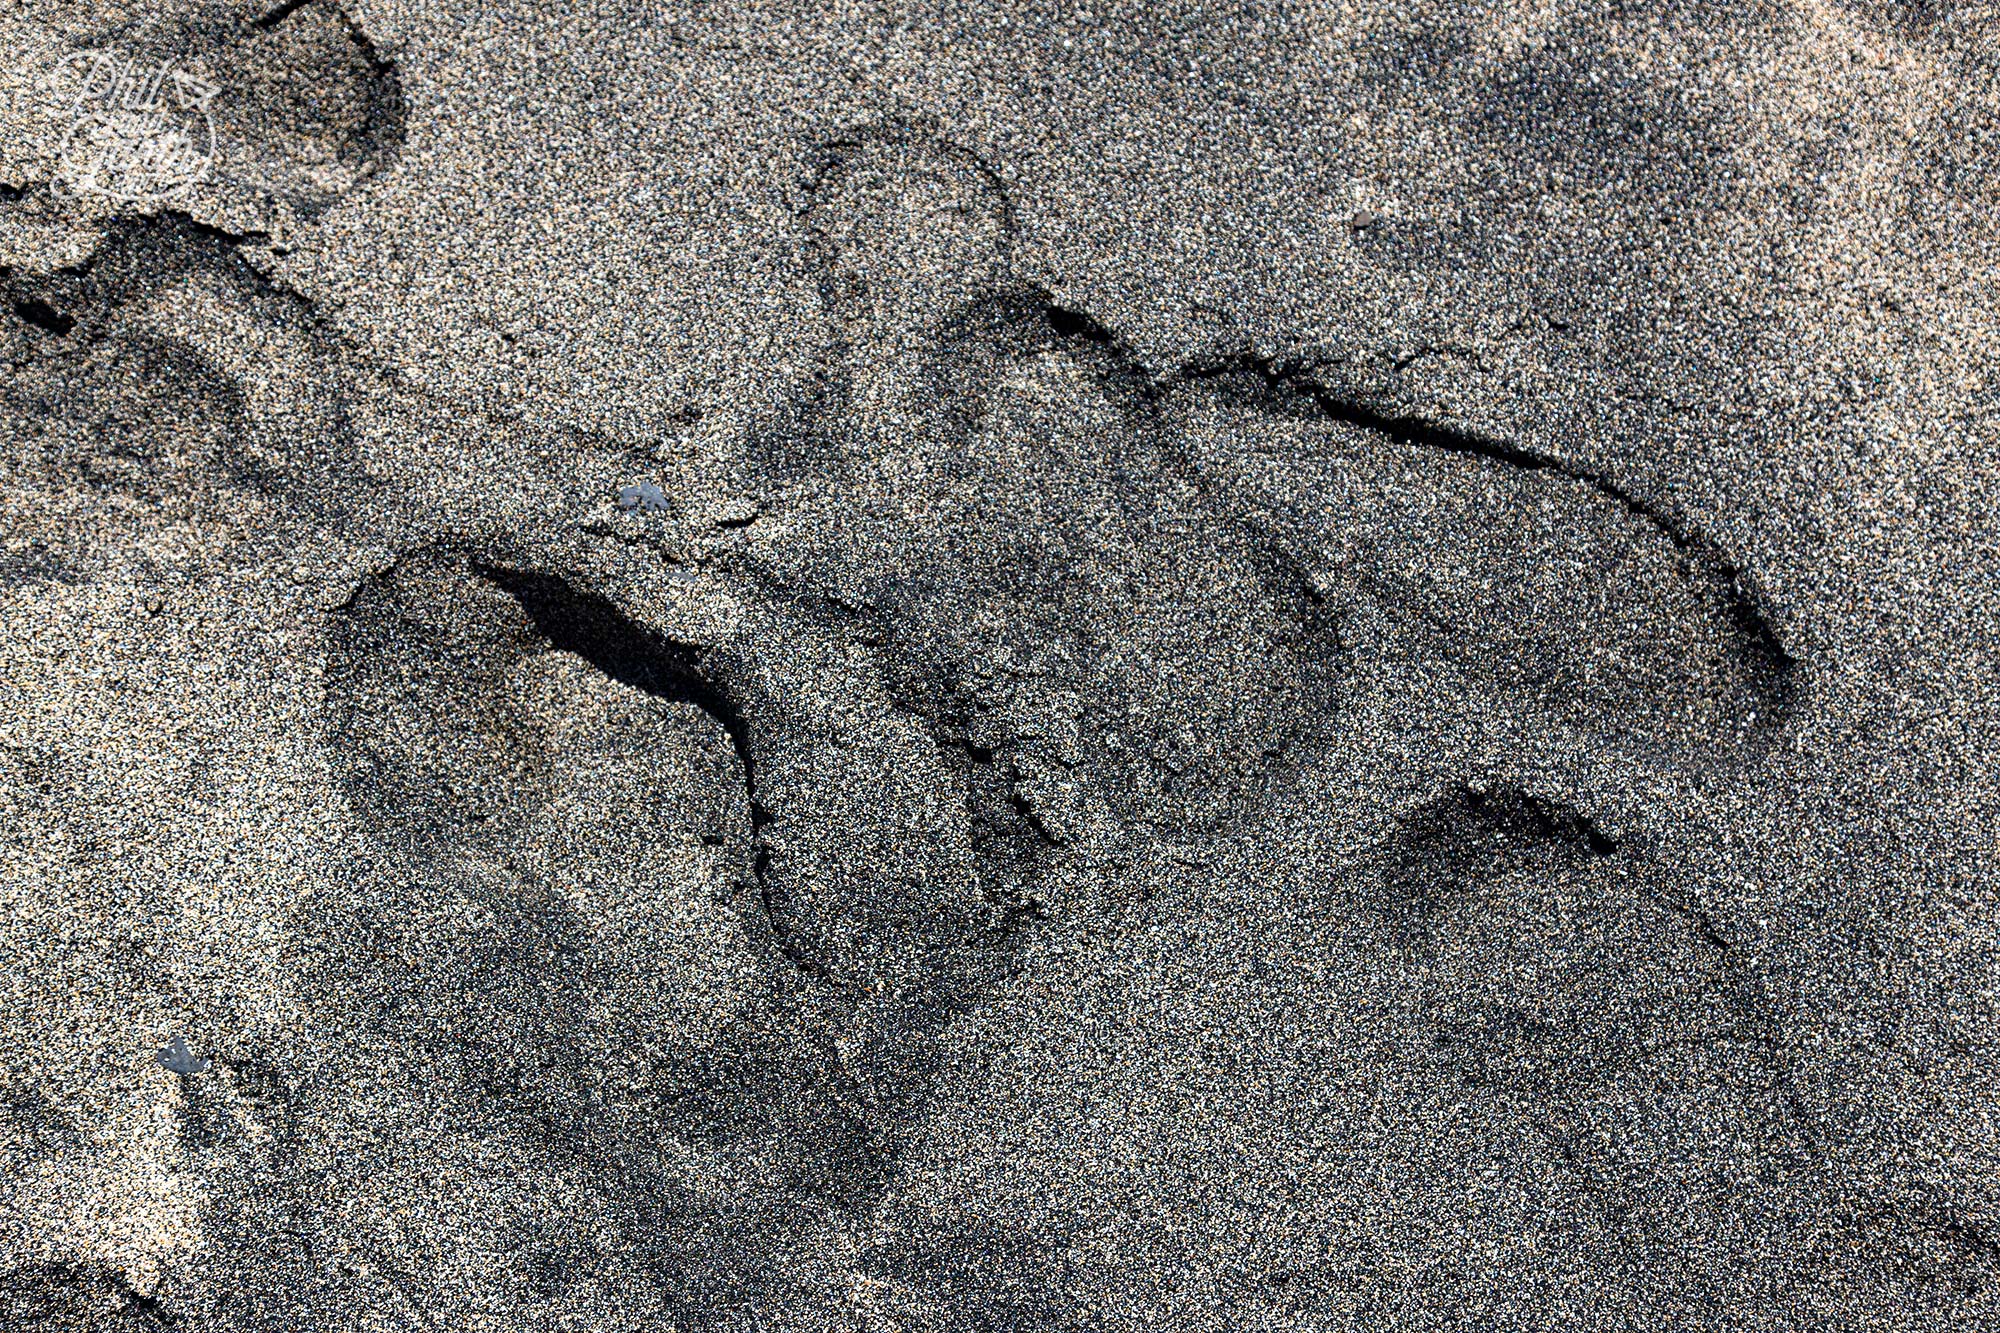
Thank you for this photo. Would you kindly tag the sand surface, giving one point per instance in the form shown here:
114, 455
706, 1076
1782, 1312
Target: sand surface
987, 666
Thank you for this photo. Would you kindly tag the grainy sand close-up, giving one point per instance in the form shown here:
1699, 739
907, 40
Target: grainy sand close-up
999, 667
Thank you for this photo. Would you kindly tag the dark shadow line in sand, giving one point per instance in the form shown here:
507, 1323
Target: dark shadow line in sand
1447, 843
274, 17
1030, 319
589, 626
33, 310
1292, 390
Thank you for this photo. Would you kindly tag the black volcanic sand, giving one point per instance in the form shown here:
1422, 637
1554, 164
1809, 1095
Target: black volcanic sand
1178, 667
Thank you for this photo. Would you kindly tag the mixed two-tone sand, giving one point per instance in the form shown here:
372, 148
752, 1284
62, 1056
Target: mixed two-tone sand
805, 667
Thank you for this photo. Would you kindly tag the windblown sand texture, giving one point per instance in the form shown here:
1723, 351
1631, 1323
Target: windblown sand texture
999, 667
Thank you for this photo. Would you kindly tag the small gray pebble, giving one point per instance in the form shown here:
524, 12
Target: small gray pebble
645, 495
177, 1058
